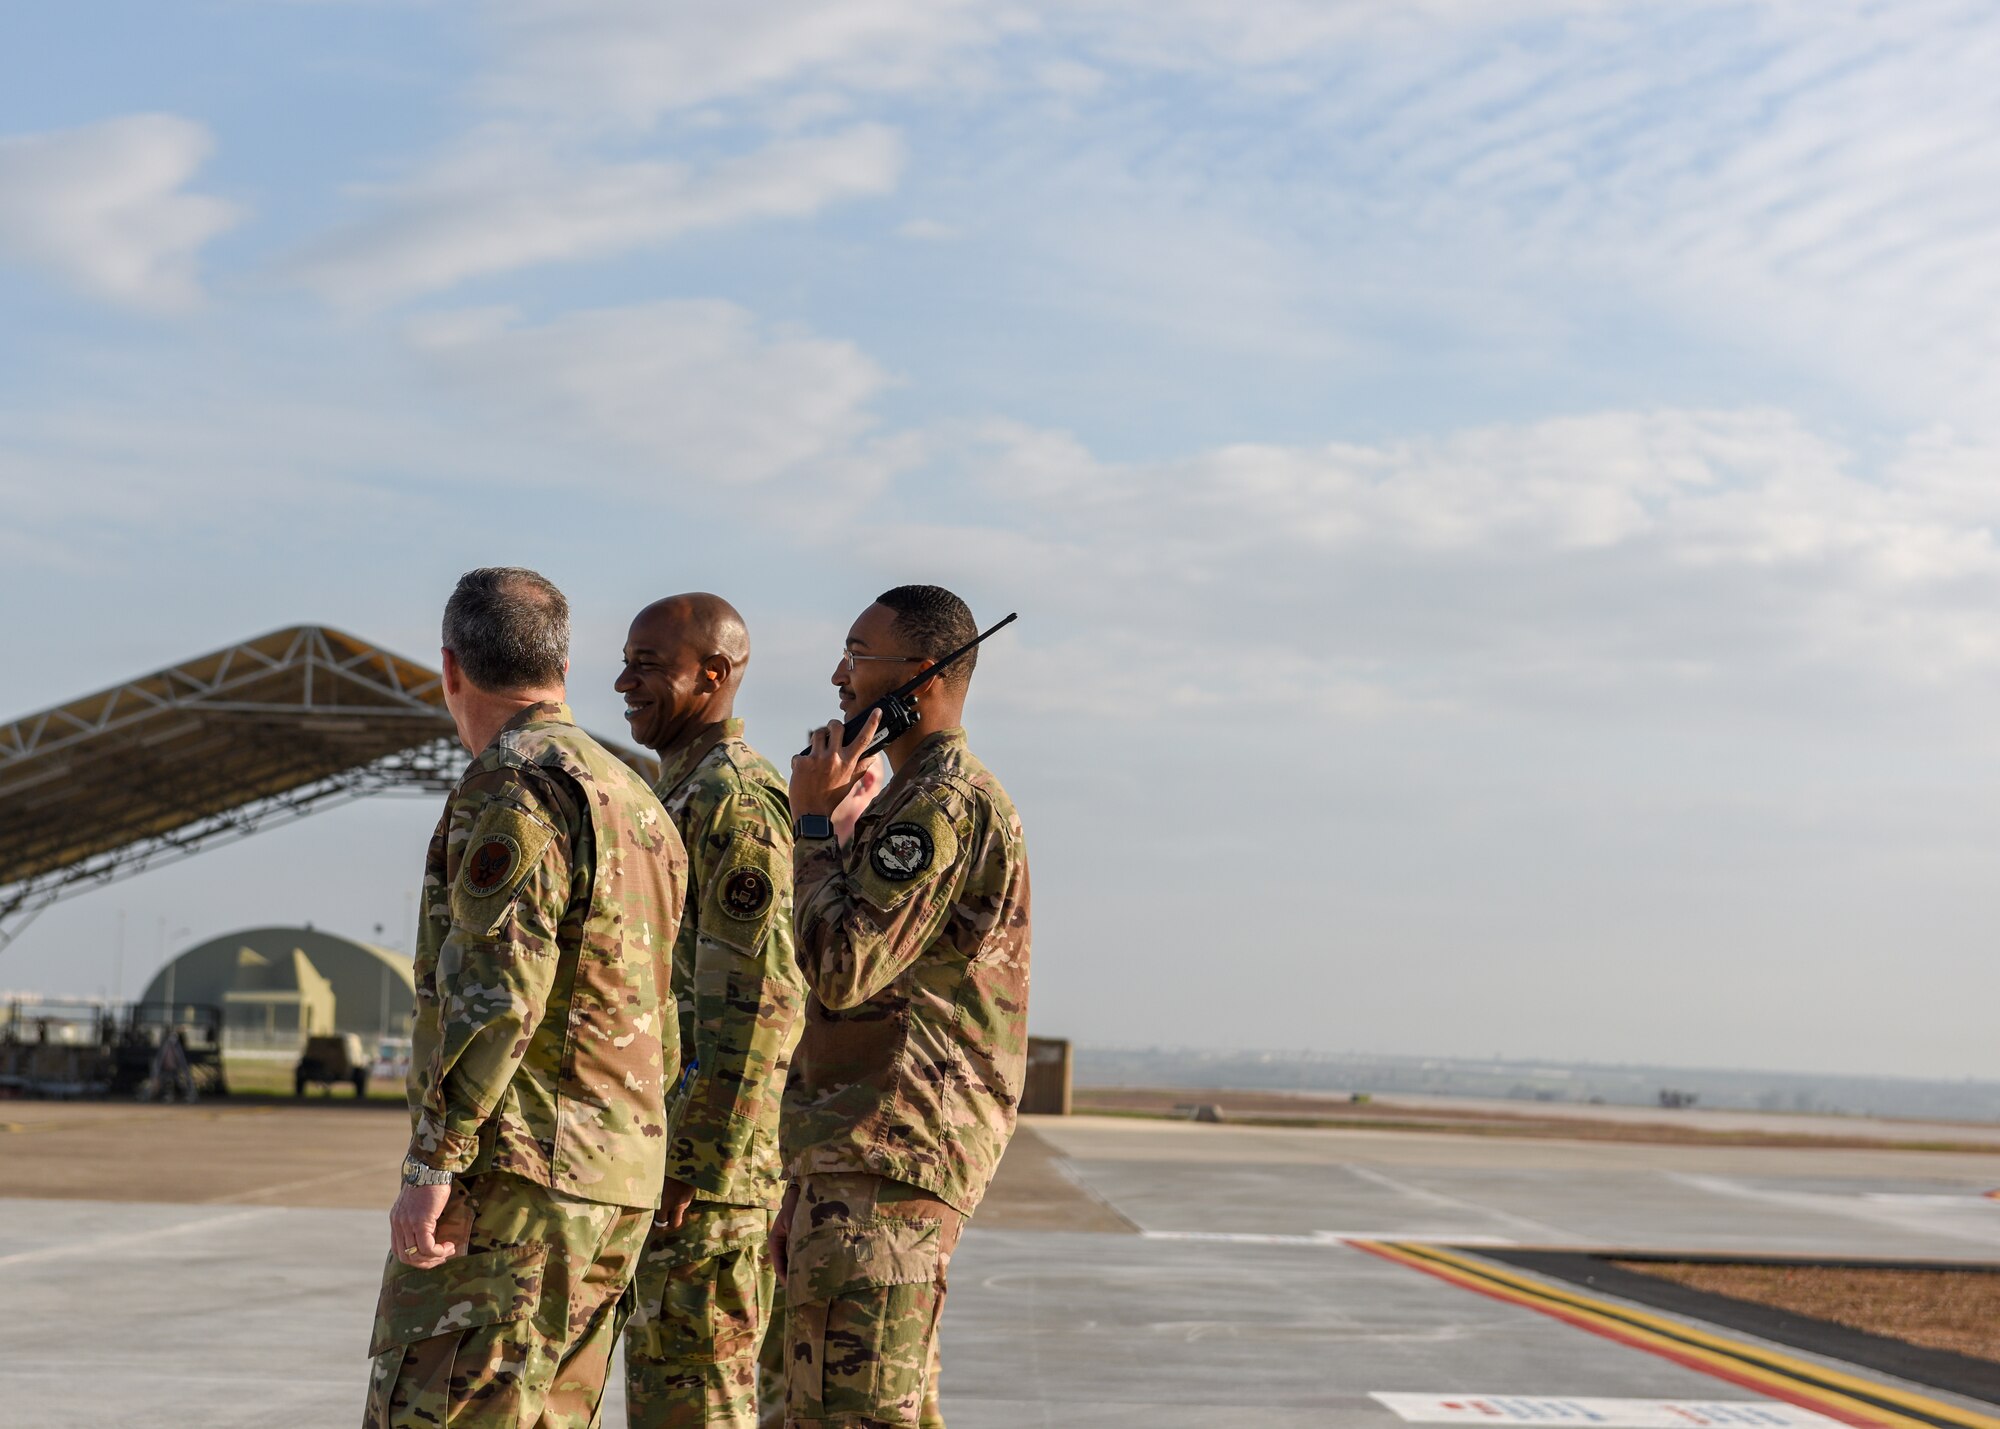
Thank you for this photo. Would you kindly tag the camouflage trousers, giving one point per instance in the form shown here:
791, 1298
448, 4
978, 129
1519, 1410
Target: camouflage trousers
864, 1286
702, 1300
517, 1331
771, 1366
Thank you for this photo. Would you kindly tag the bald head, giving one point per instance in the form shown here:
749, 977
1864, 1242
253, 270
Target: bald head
703, 622
684, 660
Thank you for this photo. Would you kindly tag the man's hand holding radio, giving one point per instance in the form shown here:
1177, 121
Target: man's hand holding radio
822, 774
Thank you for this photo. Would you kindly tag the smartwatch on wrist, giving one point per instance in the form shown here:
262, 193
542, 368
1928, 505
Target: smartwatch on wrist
812, 826
415, 1173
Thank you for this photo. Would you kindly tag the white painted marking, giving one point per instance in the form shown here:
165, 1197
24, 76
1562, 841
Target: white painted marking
1071, 1173
1603, 1413
347, 1175
1331, 1237
145, 1237
1972, 1221
1537, 1229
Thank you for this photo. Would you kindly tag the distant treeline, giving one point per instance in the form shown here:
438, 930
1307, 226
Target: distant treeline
1540, 1081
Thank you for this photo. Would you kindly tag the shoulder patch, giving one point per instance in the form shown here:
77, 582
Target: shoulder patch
746, 889
488, 866
746, 893
911, 849
903, 851
502, 849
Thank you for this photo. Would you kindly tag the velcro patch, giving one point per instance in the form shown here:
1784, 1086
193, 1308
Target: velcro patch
740, 896
914, 845
746, 893
902, 851
488, 866
503, 849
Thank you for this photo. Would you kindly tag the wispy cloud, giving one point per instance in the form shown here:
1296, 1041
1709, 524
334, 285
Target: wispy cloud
1684, 565
1809, 184
689, 394
1809, 181
502, 201
1675, 564
105, 208
631, 413
632, 60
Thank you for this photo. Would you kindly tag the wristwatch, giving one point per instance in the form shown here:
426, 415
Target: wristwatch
812, 826
415, 1173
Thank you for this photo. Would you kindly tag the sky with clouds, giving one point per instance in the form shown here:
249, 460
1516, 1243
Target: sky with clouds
1501, 493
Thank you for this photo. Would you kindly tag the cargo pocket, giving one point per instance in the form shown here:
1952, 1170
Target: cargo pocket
711, 1308
863, 1301
490, 1288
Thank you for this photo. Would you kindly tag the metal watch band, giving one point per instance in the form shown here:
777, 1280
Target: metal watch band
415, 1173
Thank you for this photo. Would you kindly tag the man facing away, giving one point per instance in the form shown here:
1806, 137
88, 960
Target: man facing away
705, 1286
914, 944
544, 1044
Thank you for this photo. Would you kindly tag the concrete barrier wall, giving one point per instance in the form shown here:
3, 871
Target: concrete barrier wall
1048, 1085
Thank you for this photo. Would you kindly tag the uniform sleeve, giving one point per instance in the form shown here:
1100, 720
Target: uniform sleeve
423, 966
496, 964
746, 992
862, 917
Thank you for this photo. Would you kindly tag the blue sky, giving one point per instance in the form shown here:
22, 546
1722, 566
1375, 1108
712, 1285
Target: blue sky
1501, 495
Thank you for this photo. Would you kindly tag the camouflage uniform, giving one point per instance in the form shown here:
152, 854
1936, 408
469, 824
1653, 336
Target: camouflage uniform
543, 1052
704, 1292
914, 944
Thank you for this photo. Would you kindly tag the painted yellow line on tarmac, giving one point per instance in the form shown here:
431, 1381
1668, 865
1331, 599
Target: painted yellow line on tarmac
1837, 1393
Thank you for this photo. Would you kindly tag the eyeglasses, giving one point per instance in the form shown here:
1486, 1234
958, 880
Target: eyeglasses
850, 659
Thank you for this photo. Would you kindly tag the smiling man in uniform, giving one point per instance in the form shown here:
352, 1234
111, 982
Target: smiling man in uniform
705, 1285
913, 939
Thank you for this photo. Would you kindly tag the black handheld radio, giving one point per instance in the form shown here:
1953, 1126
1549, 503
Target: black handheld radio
899, 707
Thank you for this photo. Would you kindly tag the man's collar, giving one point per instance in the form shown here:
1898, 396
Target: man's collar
931, 750
540, 712
679, 761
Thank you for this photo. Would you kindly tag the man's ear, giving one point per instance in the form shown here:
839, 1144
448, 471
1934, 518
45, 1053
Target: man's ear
454, 677
715, 669
928, 685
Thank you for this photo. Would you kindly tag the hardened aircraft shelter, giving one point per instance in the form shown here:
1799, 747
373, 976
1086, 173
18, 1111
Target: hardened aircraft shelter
210, 750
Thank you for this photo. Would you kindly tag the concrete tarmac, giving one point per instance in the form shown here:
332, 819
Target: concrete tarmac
1147, 1273
1180, 1177
1783, 1124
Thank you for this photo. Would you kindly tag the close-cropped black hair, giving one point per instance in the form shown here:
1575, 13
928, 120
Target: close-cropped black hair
935, 622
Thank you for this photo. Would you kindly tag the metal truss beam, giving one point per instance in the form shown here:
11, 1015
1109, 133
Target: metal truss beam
431, 768
208, 751
306, 651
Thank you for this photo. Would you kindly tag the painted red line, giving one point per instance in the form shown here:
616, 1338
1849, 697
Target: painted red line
1803, 1398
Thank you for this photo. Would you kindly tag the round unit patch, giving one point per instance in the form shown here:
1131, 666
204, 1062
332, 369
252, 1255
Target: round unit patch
488, 867
902, 852
746, 893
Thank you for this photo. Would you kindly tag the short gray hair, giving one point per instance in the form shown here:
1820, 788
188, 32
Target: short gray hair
509, 628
